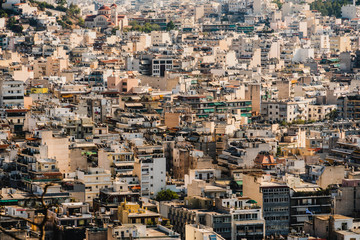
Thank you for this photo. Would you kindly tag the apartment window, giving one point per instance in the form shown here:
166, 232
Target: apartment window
344, 226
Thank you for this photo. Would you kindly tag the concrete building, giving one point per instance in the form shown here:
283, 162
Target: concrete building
12, 93
201, 232
331, 227
350, 11
94, 180
150, 168
340, 44
307, 202
273, 198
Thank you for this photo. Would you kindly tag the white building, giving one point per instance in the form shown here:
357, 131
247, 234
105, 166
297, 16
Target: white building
150, 168
12, 93
158, 37
350, 11
285, 111
303, 54
200, 232
159, 66
202, 174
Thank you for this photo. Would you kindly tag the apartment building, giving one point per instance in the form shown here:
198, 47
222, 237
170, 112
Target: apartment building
94, 180
12, 93
285, 111
274, 199
320, 112
306, 202
150, 168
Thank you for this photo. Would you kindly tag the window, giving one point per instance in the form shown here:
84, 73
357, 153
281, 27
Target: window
344, 226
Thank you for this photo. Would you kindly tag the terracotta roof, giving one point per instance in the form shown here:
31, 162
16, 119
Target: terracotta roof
104, 8
16, 110
109, 61
263, 159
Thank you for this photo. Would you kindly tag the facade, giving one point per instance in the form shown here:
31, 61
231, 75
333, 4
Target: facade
350, 11
107, 17
307, 203
274, 198
94, 180
150, 167
276, 203
12, 93
285, 111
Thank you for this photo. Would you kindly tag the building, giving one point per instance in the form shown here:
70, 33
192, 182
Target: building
107, 17
12, 93
285, 111
340, 44
273, 198
350, 11
201, 232
331, 227
150, 168
307, 202
94, 180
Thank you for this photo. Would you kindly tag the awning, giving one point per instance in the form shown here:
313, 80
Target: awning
208, 110
134, 105
88, 153
219, 104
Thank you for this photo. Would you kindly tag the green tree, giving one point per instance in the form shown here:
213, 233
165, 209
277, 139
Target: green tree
135, 26
11, 22
3, 13
278, 3
14, 26
81, 22
113, 31
329, 7
278, 151
61, 2
33, 22
73, 10
166, 195
170, 26
334, 114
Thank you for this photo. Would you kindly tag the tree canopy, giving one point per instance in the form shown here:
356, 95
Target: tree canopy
147, 27
329, 7
166, 195
170, 26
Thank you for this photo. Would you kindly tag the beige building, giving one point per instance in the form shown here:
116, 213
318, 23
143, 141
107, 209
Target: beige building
340, 44
49, 67
158, 37
200, 232
57, 148
94, 180
319, 112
